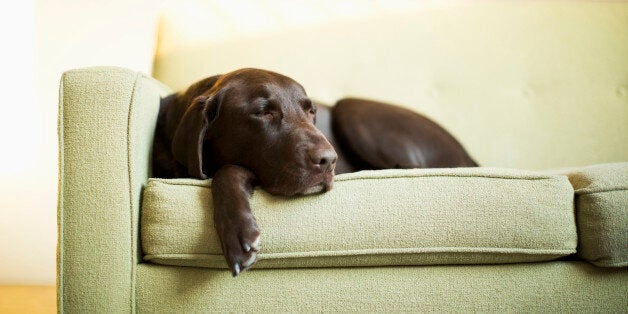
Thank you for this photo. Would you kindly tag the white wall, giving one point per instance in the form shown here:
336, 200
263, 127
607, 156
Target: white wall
41, 39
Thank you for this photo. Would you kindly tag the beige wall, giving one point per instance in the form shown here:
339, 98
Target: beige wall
41, 39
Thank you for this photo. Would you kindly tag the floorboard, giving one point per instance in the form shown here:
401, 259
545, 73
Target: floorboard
28, 299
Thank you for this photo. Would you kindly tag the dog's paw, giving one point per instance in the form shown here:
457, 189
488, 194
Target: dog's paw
240, 240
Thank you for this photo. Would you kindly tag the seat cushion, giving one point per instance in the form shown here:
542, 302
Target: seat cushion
602, 212
388, 217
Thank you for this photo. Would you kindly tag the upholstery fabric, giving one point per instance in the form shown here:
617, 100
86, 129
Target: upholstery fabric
374, 218
521, 84
602, 212
549, 287
106, 125
106, 122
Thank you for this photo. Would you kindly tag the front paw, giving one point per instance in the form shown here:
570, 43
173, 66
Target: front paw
240, 240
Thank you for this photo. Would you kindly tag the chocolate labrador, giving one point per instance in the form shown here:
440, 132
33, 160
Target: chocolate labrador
254, 127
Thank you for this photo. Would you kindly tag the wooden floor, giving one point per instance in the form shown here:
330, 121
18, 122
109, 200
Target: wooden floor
28, 299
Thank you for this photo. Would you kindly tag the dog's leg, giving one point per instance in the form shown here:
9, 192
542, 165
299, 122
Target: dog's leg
232, 186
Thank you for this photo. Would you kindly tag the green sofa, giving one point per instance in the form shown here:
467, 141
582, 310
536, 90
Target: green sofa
499, 238
483, 239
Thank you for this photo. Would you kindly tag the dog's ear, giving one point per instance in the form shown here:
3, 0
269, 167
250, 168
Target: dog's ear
187, 143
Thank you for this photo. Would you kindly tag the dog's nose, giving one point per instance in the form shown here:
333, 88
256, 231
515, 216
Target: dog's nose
325, 158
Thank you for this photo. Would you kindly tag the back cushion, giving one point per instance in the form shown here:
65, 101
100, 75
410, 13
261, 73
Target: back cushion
522, 84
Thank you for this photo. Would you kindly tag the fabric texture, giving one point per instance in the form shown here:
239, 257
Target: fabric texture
375, 218
107, 118
549, 287
601, 212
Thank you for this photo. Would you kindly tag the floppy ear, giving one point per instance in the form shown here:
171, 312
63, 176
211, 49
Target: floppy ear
187, 143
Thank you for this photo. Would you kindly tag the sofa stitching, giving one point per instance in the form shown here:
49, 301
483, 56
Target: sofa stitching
478, 175
381, 251
587, 191
207, 183
131, 199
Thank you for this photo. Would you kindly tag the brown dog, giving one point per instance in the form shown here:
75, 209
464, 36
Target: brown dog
253, 127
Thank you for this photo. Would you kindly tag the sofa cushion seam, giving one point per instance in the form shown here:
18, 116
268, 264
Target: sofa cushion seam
381, 252
207, 183
585, 191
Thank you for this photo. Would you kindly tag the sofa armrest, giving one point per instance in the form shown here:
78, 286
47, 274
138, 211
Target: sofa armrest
107, 118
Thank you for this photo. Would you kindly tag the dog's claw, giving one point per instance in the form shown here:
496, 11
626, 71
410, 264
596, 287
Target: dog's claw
246, 247
256, 244
236, 269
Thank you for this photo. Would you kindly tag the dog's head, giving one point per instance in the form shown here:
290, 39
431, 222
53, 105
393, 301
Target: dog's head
259, 120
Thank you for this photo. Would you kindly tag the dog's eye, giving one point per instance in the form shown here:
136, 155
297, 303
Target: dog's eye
268, 113
311, 110
265, 114
308, 106
263, 109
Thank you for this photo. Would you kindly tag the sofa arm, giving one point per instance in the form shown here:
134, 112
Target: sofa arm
107, 118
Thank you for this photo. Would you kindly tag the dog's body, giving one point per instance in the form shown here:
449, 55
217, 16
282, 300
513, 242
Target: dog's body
253, 128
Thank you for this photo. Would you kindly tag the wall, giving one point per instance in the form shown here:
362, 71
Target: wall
46, 38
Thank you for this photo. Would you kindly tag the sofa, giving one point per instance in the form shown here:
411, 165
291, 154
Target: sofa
535, 91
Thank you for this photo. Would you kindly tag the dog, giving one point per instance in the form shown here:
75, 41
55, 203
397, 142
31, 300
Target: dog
253, 127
